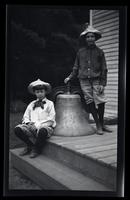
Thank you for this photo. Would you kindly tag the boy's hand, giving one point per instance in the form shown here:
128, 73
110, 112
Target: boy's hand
66, 80
30, 123
32, 126
101, 88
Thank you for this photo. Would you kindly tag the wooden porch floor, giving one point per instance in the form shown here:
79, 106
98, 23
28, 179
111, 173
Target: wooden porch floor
102, 148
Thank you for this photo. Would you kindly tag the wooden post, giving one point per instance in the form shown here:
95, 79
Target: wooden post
90, 21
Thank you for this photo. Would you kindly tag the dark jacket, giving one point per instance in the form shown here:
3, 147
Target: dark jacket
90, 63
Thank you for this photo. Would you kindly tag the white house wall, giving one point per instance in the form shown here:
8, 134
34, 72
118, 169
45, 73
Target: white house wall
107, 21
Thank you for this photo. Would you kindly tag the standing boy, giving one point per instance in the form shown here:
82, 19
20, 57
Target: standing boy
38, 120
90, 67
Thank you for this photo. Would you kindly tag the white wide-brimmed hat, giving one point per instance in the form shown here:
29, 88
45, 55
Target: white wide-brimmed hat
39, 84
90, 29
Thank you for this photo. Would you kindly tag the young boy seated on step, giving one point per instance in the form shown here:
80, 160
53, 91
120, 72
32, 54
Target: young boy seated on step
38, 120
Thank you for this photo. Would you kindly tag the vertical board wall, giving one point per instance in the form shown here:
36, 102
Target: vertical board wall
107, 21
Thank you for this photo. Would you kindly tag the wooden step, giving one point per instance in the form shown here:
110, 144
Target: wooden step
88, 155
50, 174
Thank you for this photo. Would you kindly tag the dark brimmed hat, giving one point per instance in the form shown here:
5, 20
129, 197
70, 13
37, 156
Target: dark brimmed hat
38, 84
90, 29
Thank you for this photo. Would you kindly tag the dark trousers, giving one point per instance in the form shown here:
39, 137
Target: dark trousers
101, 109
98, 114
40, 140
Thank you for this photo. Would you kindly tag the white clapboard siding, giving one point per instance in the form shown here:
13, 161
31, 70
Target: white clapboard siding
102, 13
110, 37
107, 21
112, 62
109, 34
113, 53
107, 16
108, 46
112, 66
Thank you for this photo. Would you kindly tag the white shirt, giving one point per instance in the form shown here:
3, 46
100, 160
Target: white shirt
39, 115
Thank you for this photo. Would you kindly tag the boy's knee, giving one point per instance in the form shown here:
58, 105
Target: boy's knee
42, 132
18, 130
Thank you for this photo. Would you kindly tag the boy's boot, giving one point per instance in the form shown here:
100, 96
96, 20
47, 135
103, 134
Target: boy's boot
26, 151
101, 108
94, 113
40, 143
34, 153
22, 135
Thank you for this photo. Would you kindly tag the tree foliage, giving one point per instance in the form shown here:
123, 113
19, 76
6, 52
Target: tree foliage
42, 44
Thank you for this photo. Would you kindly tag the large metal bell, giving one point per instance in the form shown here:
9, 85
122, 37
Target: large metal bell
71, 118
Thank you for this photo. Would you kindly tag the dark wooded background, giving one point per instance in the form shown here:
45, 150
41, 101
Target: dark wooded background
42, 43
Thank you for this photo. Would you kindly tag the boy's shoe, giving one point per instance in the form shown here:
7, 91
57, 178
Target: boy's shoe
26, 151
34, 154
106, 129
99, 131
